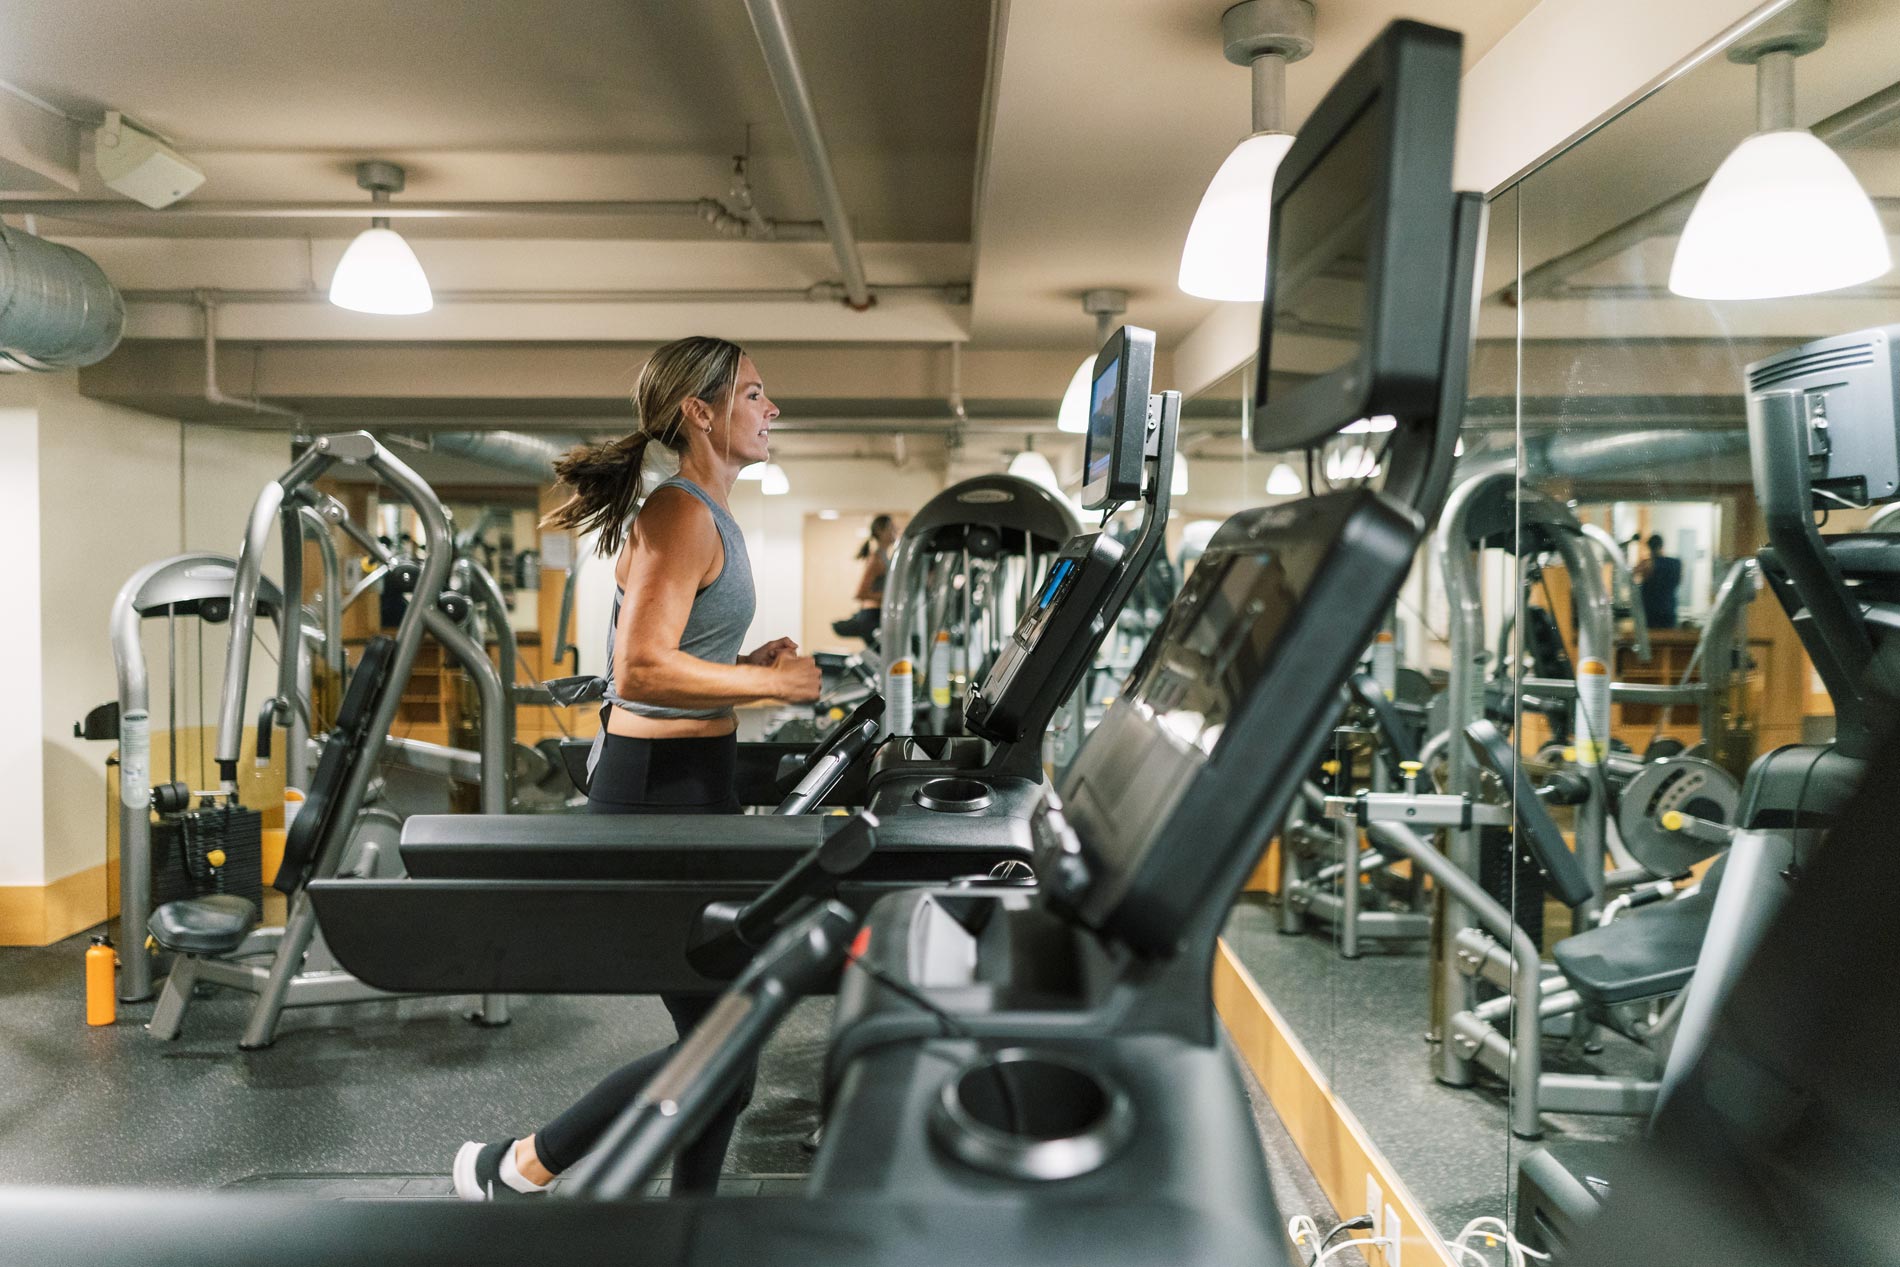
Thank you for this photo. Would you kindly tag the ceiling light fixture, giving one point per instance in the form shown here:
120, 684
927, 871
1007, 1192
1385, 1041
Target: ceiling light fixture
1178, 482
773, 482
1105, 306
754, 472
1226, 252
1034, 467
379, 273
1284, 481
1782, 215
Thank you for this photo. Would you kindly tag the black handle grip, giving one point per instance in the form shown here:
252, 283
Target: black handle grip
728, 934
266, 718
706, 1069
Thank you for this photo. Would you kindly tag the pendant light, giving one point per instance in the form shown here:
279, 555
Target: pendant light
773, 481
1105, 306
1782, 215
1034, 467
379, 273
1284, 481
1226, 252
1178, 482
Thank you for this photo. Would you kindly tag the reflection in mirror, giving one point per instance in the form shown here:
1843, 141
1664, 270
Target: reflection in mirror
1655, 667
1336, 928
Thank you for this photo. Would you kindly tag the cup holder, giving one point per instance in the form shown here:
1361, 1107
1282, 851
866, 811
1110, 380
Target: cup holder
954, 796
1031, 1115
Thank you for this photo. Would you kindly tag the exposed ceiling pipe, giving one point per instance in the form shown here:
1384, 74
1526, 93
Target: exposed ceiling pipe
822, 292
1548, 279
710, 210
788, 77
58, 310
1560, 455
517, 451
214, 395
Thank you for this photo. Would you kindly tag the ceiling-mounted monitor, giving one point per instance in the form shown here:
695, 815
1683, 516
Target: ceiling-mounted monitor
1359, 248
1118, 418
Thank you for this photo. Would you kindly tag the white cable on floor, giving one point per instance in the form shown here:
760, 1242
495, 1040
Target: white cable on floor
1482, 1226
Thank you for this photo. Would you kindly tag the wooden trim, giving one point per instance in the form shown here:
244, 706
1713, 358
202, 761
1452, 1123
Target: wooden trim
1327, 1134
41, 914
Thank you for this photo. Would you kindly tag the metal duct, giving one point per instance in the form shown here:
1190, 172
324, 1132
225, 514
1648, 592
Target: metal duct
1571, 456
517, 451
57, 309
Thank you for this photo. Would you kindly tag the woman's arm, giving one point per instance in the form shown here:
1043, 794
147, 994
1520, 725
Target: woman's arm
867, 584
671, 550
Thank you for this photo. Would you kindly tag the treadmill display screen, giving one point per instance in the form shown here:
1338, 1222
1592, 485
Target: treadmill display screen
1321, 249
1104, 415
1257, 642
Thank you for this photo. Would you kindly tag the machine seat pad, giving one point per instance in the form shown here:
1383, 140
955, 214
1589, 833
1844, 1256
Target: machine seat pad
1646, 954
212, 925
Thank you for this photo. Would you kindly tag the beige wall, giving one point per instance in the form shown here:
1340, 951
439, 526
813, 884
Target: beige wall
21, 861
117, 490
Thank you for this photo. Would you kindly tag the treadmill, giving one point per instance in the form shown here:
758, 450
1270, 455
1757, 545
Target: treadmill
1128, 457
1045, 1082
657, 876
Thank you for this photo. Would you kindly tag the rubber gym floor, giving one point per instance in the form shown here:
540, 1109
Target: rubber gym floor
370, 1099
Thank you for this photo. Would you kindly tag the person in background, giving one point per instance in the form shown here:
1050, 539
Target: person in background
876, 554
1658, 580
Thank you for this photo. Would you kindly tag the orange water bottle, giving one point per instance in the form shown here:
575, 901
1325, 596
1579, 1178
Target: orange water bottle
102, 1005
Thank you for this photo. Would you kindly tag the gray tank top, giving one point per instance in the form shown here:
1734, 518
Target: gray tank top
722, 612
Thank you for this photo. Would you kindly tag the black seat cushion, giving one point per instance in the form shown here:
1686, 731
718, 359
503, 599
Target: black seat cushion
1646, 954
212, 925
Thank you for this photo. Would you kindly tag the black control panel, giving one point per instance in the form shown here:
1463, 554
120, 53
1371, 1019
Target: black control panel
1040, 656
1194, 761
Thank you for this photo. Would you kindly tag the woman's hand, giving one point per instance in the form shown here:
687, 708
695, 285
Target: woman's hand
796, 679
768, 655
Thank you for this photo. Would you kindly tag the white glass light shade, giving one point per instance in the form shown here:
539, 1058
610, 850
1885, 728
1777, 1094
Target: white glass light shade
1781, 216
1378, 424
754, 472
1074, 415
1035, 468
1178, 483
772, 481
1226, 252
1355, 462
1284, 481
380, 274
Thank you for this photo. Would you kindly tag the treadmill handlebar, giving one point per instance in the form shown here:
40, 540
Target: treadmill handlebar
707, 1067
727, 935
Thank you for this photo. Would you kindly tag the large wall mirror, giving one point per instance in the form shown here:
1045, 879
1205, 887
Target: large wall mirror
1593, 592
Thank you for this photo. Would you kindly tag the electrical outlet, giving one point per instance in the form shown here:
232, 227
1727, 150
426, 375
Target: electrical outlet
1395, 1230
1375, 1202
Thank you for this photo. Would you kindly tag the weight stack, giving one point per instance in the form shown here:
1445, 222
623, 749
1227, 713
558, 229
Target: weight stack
179, 846
1499, 878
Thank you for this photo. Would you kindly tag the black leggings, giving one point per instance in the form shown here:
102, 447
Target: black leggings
655, 776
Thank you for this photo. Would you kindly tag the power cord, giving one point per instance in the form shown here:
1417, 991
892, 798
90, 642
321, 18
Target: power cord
1301, 1230
1494, 1230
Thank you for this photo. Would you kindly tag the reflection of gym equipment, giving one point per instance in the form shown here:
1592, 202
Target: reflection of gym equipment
1824, 431
216, 939
1072, 1029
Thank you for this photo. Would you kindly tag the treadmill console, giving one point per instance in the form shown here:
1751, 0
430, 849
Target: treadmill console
1113, 450
1194, 763
1057, 627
